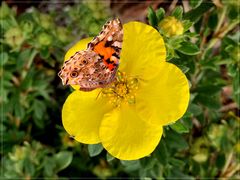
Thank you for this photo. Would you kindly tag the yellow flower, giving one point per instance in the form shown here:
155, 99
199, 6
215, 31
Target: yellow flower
127, 117
171, 26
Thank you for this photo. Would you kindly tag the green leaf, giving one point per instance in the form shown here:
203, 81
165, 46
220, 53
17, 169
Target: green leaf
63, 159
213, 20
160, 13
4, 57
177, 162
39, 108
45, 53
194, 109
161, 152
195, 14
152, 18
186, 25
184, 69
131, 165
179, 127
233, 12
177, 12
176, 172
23, 58
29, 166
94, 149
236, 88
195, 3
148, 163
209, 89
188, 48
175, 140
110, 157
49, 166
220, 160
211, 102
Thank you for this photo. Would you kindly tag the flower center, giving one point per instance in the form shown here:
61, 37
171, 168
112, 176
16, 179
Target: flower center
122, 90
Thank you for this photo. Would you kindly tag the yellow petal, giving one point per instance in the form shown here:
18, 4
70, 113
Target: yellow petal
165, 98
126, 136
80, 45
142, 50
82, 114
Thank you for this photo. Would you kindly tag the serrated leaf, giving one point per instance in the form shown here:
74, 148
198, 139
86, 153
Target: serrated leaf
188, 48
94, 149
63, 159
177, 12
152, 18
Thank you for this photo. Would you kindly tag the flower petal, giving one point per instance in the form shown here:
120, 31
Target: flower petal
142, 50
163, 99
125, 136
82, 114
80, 45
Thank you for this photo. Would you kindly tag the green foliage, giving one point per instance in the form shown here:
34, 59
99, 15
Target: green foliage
26, 161
32, 49
204, 143
152, 17
94, 149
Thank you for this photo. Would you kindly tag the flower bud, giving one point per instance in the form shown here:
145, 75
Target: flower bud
4, 10
44, 39
14, 37
27, 26
45, 21
171, 26
62, 34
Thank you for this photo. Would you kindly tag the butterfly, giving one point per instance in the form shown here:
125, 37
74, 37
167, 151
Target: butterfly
96, 66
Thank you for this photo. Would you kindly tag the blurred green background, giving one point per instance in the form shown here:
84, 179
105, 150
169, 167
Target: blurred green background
34, 38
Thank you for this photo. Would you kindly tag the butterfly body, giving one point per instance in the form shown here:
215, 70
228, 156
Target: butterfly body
97, 65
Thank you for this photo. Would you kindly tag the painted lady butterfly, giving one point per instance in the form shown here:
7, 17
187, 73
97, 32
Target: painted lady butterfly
97, 65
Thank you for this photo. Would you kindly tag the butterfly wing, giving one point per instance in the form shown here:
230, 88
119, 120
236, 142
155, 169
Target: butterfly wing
97, 66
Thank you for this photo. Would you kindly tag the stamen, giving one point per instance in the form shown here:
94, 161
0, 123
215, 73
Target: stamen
122, 90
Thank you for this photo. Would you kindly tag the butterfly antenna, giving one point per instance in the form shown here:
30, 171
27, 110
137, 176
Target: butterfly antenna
99, 94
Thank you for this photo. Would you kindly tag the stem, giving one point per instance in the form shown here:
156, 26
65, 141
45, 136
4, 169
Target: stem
233, 171
220, 22
229, 159
219, 35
